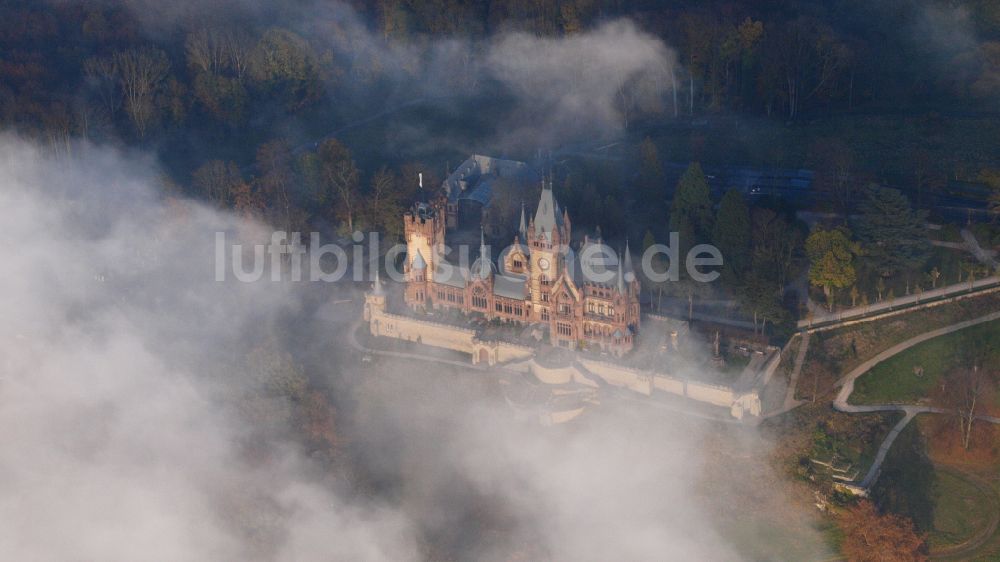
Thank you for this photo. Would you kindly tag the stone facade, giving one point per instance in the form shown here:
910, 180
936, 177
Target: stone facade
585, 299
382, 323
581, 371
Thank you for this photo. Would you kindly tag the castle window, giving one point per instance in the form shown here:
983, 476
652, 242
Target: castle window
545, 314
564, 329
479, 302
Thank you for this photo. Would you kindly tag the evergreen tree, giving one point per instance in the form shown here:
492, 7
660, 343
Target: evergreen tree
650, 194
648, 240
691, 210
891, 232
732, 236
762, 300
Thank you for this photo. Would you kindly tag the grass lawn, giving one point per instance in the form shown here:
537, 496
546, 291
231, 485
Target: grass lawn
893, 380
960, 509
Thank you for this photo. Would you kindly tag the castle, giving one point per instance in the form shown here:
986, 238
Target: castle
581, 298
585, 299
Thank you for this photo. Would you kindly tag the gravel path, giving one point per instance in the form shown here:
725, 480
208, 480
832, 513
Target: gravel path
911, 411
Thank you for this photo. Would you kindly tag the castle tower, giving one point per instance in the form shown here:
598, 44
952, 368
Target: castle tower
548, 238
423, 226
374, 300
522, 229
633, 287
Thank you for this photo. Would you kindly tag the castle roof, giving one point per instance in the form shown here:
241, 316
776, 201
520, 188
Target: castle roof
522, 229
596, 263
483, 267
510, 286
473, 178
451, 275
628, 264
547, 216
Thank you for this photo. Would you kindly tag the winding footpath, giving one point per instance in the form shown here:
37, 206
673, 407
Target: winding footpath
910, 411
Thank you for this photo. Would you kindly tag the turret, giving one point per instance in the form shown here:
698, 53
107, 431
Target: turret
522, 229
374, 299
483, 267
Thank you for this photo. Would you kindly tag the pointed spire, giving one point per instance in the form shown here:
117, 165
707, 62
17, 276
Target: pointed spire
621, 279
377, 285
545, 221
483, 267
522, 229
628, 261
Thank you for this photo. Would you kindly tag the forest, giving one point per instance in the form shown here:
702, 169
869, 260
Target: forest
320, 115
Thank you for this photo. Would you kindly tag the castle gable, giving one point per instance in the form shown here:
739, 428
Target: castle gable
534, 281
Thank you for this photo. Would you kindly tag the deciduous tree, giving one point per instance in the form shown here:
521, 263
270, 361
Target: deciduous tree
875, 537
341, 178
831, 257
384, 204
217, 180
141, 73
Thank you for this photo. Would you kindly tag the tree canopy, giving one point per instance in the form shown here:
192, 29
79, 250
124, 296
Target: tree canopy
731, 235
691, 210
831, 260
892, 233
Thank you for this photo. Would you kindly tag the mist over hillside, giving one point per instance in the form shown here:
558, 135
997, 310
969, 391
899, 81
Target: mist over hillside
146, 419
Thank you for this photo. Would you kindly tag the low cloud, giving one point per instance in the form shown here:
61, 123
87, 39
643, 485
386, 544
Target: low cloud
579, 85
119, 358
116, 348
514, 91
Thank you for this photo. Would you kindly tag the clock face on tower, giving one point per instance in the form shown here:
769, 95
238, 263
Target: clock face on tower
543, 263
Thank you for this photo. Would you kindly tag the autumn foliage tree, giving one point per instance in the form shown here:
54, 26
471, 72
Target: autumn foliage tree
218, 181
831, 260
341, 179
873, 536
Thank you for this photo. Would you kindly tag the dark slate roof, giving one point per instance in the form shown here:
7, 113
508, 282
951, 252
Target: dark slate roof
510, 286
451, 275
477, 171
547, 216
482, 193
602, 260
